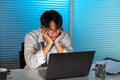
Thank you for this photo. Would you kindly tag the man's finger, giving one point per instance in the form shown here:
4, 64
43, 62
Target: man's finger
42, 29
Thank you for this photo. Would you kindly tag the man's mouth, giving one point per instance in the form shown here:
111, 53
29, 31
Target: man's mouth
53, 38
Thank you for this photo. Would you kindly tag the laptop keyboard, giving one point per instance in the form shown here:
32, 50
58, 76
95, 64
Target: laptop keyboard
42, 73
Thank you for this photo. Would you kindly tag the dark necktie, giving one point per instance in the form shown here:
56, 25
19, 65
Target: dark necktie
42, 44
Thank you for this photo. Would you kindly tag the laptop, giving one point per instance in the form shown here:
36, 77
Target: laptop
68, 65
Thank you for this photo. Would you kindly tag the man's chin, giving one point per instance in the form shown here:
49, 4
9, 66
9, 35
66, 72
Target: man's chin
53, 39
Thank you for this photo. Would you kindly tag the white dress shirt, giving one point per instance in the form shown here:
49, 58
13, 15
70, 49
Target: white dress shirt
33, 48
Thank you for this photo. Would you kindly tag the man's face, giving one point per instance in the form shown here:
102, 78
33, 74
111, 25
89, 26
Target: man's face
52, 31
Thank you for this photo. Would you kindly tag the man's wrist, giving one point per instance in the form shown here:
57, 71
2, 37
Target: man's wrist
49, 44
56, 42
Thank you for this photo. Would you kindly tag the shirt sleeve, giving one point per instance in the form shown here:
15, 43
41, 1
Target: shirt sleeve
66, 43
34, 58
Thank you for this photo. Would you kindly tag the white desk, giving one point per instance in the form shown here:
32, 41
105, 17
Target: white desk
21, 74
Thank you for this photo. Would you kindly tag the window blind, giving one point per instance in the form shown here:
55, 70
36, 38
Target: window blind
97, 27
17, 18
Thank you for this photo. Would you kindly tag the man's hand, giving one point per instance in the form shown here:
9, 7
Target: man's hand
60, 33
56, 42
47, 39
45, 35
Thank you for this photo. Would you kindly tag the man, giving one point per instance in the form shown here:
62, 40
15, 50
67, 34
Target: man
51, 38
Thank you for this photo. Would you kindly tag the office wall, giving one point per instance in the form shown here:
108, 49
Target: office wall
17, 18
97, 27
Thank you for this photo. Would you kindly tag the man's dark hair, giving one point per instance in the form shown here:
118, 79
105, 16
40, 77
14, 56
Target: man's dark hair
51, 15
